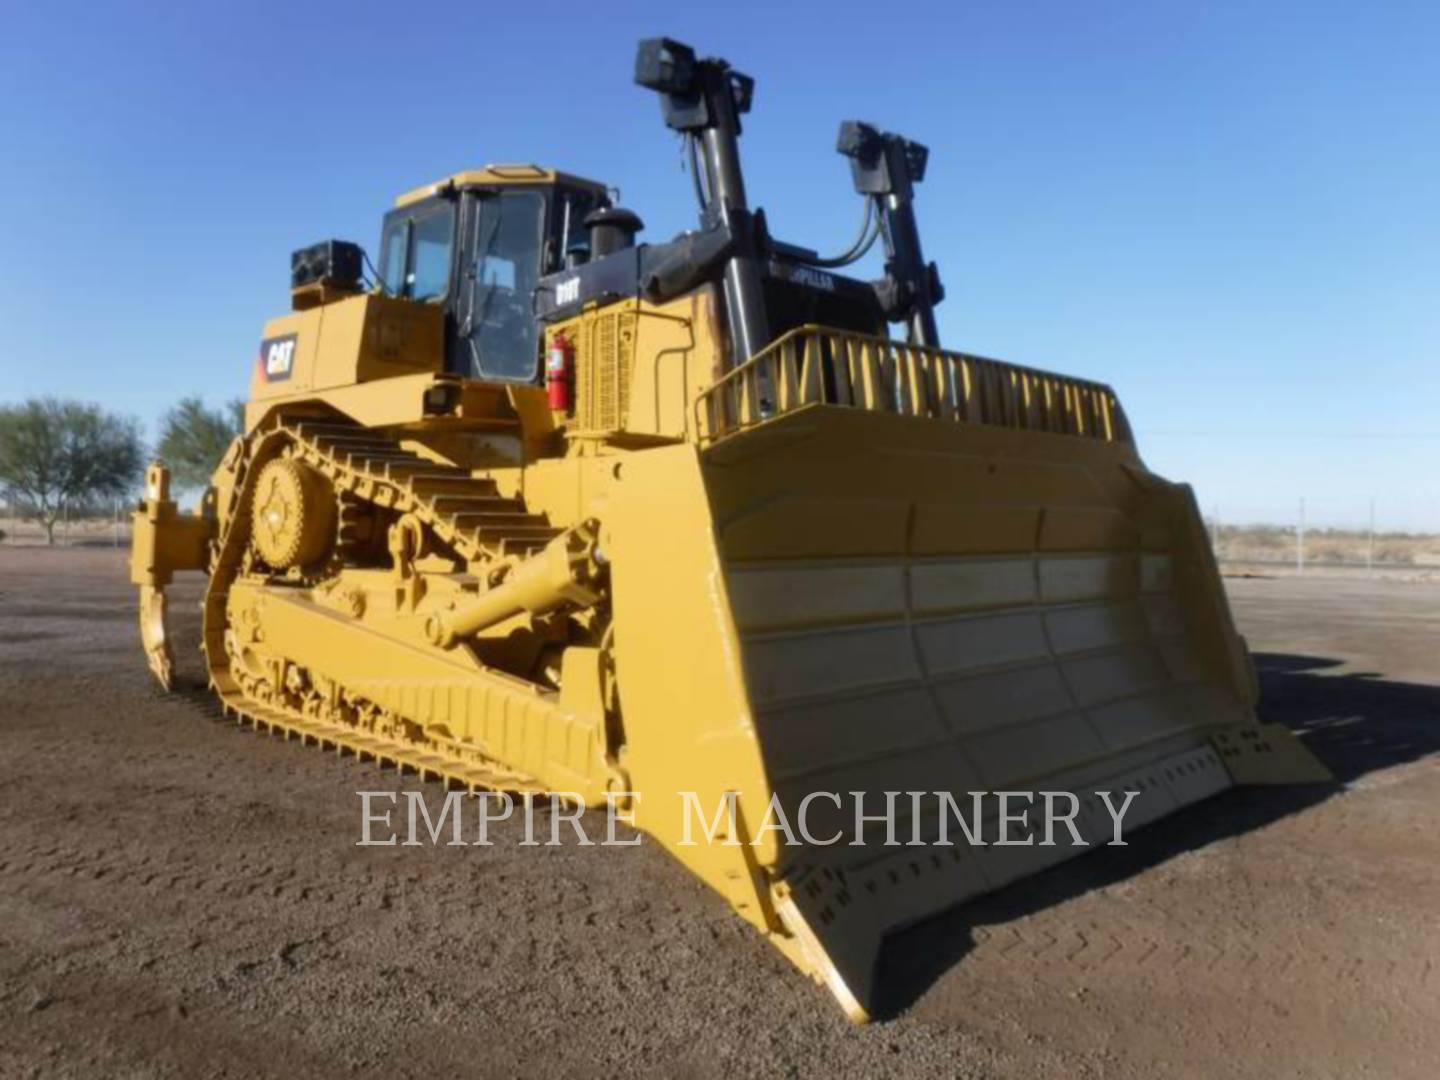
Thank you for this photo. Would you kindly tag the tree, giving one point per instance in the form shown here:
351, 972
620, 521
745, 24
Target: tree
193, 439
54, 453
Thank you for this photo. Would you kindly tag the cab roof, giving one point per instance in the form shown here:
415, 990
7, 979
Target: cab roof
498, 174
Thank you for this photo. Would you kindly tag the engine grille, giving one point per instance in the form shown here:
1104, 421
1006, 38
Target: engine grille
606, 357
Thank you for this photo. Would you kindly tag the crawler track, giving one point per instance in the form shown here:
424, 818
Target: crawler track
464, 512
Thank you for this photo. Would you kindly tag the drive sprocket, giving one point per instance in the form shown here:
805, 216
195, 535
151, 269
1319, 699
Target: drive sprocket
293, 514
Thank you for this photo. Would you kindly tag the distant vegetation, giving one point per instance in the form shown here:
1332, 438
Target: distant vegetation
58, 456
1352, 547
193, 439
68, 461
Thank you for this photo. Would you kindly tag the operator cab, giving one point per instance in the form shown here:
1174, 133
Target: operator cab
478, 244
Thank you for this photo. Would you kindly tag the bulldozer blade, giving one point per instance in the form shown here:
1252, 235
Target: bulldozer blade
841, 601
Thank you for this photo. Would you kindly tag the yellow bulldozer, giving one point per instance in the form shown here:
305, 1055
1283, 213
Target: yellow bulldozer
539, 508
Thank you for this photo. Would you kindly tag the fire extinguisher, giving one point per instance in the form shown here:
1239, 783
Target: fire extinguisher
560, 373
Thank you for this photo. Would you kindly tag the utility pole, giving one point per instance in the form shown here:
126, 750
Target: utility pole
1300, 541
1370, 542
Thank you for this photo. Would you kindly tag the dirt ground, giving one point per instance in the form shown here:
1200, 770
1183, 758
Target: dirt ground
179, 896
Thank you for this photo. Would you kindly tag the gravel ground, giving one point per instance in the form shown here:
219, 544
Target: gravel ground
179, 896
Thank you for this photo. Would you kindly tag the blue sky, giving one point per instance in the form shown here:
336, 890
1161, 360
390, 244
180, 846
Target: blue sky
1229, 211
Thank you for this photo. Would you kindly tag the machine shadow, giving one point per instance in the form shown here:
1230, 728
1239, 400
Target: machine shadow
1355, 723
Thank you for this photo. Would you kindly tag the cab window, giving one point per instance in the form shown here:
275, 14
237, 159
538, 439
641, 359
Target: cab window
415, 252
497, 329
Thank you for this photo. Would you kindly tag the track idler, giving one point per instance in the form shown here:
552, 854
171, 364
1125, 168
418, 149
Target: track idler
568, 570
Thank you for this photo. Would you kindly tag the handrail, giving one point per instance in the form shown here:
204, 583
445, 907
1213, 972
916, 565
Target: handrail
818, 365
